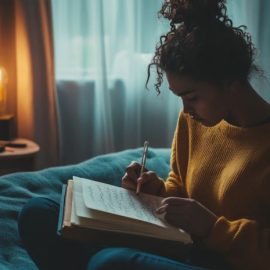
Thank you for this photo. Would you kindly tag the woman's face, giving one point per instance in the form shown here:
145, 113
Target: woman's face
205, 102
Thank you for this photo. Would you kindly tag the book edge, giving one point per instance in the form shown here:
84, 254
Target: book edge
61, 210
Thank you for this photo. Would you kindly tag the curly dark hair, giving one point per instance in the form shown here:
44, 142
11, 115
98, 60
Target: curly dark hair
202, 43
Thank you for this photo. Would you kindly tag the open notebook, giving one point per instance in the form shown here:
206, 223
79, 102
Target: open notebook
106, 215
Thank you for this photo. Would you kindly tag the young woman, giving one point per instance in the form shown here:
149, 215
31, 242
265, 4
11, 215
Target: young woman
218, 189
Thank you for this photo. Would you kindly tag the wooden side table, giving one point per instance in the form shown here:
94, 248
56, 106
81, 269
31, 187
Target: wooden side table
19, 159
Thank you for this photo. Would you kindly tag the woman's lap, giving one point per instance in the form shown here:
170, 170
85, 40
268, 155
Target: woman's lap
37, 227
132, 259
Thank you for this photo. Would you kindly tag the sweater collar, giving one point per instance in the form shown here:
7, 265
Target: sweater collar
228, 129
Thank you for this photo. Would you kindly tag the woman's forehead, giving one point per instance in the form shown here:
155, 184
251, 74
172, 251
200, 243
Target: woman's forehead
184, 84
177, 81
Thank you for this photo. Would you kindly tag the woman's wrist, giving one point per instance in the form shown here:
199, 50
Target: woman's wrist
162, 190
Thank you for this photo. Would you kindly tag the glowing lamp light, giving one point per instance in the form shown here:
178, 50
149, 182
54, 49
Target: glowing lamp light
3, 89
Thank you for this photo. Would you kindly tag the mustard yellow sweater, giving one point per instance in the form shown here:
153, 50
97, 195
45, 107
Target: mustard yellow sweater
227, 169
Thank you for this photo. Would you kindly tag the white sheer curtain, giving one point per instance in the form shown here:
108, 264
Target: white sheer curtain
255, 15
102, 49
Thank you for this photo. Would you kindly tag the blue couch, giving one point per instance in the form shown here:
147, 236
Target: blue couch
17, 188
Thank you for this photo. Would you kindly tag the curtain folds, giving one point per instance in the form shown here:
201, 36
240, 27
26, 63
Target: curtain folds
255, 15
102, 54
36, 95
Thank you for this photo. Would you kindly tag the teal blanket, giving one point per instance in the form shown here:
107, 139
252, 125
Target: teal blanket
17, 188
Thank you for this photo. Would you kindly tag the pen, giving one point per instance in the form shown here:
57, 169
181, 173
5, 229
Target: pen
145, 150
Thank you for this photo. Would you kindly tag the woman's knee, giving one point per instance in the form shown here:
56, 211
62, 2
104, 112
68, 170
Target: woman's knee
129, 258
111, 259
38, 214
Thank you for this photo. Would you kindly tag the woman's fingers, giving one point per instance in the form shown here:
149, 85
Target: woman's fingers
133, 170
148, 181
130, 179
128, 183
147, 177
187, 214
177, 201
173, 215
177, 221
162, 209
176, 209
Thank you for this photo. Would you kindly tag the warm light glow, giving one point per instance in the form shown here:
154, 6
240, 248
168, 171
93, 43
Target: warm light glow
25, 80
3, 89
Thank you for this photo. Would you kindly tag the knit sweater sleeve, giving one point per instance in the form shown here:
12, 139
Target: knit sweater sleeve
174, 183
245, 242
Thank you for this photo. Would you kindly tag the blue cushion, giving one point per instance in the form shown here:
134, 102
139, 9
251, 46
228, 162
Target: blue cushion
17, 188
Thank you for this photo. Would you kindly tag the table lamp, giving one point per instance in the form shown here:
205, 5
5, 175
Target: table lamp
7, 122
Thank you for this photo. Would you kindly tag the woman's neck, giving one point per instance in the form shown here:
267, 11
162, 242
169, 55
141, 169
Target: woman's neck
247, 107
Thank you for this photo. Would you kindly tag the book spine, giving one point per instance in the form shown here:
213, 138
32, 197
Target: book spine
61, 210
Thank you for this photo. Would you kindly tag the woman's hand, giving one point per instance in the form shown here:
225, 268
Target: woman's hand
150, 183
187, 214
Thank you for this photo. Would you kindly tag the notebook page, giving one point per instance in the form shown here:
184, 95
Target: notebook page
119, 201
